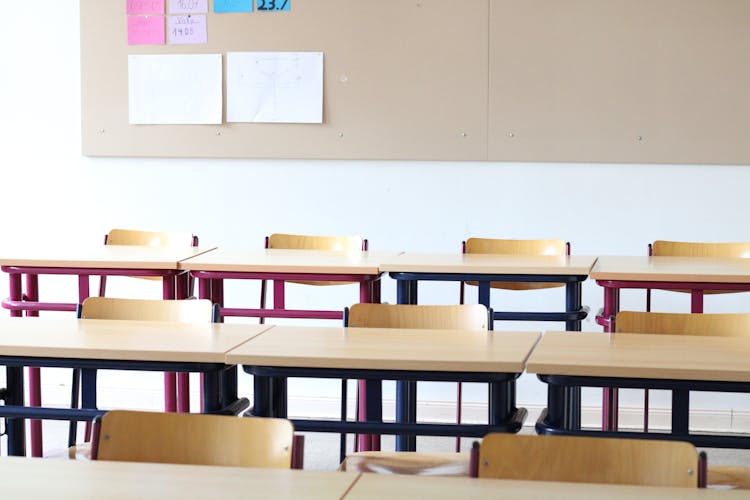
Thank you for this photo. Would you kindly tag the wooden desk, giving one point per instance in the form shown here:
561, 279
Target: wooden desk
76, 480
281, 265
696, 275
376, 354
377, 486
98, 260
408, 269
671, 362
111, 344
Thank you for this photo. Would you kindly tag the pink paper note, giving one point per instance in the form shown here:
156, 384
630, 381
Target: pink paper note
145, 30
187, 29
135, 7
188, 6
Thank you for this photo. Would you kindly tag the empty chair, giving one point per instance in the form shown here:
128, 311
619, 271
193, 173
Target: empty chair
449, 317
662, 248
147, 238
590, 460
307, 242
184, 438
183, 311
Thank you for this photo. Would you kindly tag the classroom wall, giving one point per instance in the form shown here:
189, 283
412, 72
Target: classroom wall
52, 194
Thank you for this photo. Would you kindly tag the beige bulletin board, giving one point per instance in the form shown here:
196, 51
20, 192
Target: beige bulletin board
642, 81
402, 80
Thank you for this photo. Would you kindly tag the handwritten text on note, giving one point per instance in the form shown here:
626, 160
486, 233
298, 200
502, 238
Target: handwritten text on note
187, 29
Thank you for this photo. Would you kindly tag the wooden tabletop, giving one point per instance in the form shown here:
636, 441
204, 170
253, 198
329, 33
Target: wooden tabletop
488, 264
387, 349
122, 340
276, 260
377, 486
677, 269
99, 256
628, 355
76, 480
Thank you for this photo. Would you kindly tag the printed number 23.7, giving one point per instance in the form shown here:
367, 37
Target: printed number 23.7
271, 5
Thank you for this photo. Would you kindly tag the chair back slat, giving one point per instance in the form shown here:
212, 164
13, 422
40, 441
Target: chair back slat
197, 439
589, 460
453, 317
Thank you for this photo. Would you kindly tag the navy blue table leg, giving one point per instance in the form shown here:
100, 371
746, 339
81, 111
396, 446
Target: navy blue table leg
261, 396
501, 402
573, 304
556, 405
212, 382
484, 293
680, 412
228, 386
406, 293
373, 401
15, 427
88, 388
278, 397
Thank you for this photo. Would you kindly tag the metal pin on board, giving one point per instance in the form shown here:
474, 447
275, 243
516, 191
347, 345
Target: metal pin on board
639, 138
218, 132
102, 131
464, 134
511, 135
341, 134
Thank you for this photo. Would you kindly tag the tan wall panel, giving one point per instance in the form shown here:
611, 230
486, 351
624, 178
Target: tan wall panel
582, 80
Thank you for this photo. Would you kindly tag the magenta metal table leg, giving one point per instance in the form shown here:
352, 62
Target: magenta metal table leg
170, 379
183, 393
696, 301
34, 375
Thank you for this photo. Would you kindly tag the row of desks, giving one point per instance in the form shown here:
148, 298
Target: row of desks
117, 480
271, 353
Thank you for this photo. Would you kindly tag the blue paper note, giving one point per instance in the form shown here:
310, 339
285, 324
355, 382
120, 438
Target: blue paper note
266, 5
222, 6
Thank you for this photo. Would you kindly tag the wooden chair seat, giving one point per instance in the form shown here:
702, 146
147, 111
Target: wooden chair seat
729, 476
412, 463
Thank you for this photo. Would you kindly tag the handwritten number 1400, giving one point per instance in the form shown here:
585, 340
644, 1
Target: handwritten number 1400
272, 4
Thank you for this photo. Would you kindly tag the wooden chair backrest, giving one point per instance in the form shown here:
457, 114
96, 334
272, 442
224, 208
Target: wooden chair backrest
458, 317
307, 242
182, 311
720, 325
588, 460
197, 439
304, 242
149, 238
517, 247
661, 248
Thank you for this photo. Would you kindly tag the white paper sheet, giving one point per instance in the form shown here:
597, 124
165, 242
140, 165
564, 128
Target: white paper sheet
175, 89
276, 87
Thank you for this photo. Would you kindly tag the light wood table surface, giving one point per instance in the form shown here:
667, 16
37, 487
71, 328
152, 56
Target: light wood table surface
488, 264
679, 357
377, 486
99, 256
122, 340
287, 261
387, 349
677, 269
62, 479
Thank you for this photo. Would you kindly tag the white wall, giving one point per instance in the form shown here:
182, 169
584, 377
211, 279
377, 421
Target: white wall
51, 193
